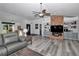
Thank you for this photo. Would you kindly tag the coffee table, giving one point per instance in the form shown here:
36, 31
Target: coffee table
28, 39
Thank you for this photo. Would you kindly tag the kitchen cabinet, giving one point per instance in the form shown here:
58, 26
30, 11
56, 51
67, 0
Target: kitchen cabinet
71, 35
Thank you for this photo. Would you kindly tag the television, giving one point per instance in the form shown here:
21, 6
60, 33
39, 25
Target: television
57, 28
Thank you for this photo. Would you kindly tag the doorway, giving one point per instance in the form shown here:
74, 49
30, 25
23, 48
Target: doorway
28, 26
40, 29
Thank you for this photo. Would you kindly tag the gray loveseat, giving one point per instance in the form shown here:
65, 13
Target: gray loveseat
10, 43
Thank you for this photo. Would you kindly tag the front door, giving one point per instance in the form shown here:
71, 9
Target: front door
40, 30
28, 26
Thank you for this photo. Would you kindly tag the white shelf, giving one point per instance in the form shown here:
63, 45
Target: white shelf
71, 35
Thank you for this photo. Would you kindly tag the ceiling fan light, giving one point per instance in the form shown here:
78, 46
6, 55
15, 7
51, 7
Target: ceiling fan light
40, 14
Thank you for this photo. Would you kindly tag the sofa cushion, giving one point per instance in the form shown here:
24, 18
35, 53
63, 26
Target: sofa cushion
21, 38
3, 51
1, 42
13, 47
10, 37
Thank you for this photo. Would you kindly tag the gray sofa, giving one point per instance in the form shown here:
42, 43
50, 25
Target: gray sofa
3, 50
10, 43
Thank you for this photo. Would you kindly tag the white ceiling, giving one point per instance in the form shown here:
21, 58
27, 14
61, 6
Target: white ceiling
25, 9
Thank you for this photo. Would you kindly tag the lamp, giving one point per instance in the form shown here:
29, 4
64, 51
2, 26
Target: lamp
13, 28
20, 33
25, 31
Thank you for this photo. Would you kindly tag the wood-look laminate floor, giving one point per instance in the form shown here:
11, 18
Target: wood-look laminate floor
47, 47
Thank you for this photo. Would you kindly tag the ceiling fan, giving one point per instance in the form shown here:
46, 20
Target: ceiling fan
41, 13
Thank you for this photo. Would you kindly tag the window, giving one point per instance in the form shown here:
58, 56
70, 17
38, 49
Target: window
36, 26
7, 26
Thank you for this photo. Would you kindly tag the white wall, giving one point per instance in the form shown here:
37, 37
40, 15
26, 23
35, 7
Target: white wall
0, 27
45, 20
78, 23
74, 35
78, 27
22, 21
42, 21
33, 30
18, 20
71, 19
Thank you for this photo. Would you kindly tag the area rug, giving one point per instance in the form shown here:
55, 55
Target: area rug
26, 52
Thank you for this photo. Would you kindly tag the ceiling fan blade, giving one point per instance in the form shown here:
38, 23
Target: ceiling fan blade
35, 12
36, 15
47, 14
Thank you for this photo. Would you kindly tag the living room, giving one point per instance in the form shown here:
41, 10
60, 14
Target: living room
55, 33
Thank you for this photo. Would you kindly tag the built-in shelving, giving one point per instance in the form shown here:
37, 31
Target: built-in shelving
71, 29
